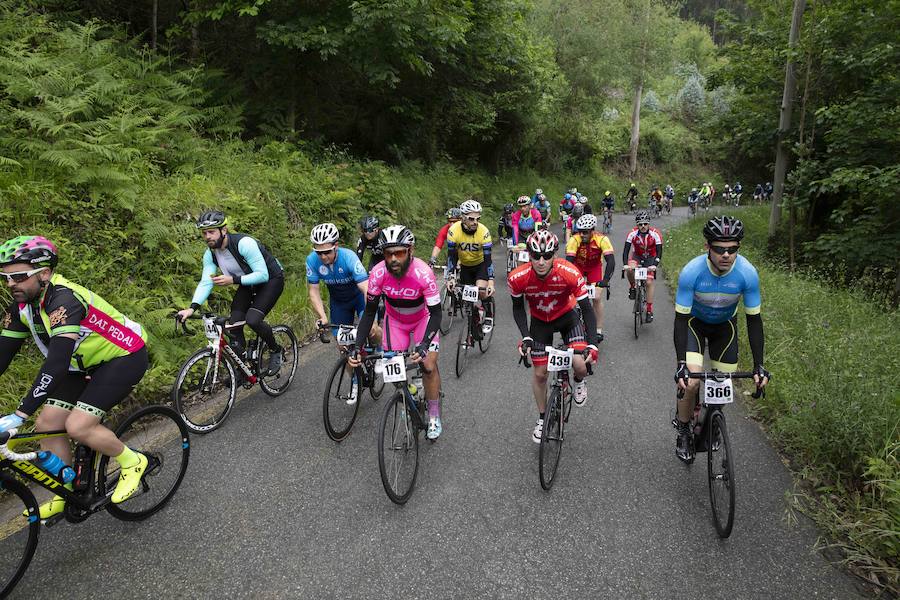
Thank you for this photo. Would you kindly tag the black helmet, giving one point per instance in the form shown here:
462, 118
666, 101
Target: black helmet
212, 219
508, 209
369, 223
577, 212
723, 229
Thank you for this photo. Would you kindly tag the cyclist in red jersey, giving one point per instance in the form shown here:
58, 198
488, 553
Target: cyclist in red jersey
552, 287
453, 215
643, 247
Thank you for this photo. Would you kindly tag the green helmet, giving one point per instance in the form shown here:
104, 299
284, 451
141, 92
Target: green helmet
30, 249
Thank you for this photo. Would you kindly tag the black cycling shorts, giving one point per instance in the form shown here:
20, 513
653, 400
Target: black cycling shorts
722, 339
262, 297
469, 275
570, 326
102, 387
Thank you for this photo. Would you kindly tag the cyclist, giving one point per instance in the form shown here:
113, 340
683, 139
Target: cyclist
469, 242
709, 288
577, 213
552, 287
368, 240
566, 205
537, 197
609, 204
413, 304
93, 357
669, 196
631, 196
692, 200
706, 194
243, 261
655, 202
524, 220
758, 193
584, 250
543, 207
738, 192
453, 216
643, 247
769, 191
504, 227
726, 194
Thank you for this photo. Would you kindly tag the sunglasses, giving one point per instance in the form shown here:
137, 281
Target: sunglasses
371, 230
399, 253
643, 224
325, 252
720, 250
471, 218
539, 255
21, 276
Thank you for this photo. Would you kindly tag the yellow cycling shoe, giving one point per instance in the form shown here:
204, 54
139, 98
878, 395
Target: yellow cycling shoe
49, 509
129, 480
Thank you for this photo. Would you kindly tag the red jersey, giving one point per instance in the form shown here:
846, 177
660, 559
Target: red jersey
644, 244
442, 236
552, 296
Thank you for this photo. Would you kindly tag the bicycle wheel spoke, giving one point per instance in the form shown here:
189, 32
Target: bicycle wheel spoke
721, 476
398, 450
339, 410
275, 384
204, 391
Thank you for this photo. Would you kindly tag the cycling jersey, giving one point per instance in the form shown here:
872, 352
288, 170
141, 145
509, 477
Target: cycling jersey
65, 307
642, 244
244, 259
567, 205
609, 202
441, 236
656, 194
552, 296
714, 298
525, 224
341, 276
407, 299
471, 248
670, 192
363, 244
587, 256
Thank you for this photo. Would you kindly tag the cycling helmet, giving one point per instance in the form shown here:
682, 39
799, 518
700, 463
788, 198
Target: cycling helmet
369, 222
212, 219
523, 200
586, 222
694, 190
568, 196
582, 200
538, 192
542, 241
542, 197
324, 233
632, 185
470, 206
454, 214
642, 217
577, 212
30, 249
723, 229
396, 235
508, 209
607, 194
574, 190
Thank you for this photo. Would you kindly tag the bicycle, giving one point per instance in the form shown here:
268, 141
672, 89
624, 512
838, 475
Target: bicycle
668, 205
640, 295
339, 407
607, 221
450, 302
155, 431
556, 411
405, 417
471, 332
709, 434
517, 255
207, 382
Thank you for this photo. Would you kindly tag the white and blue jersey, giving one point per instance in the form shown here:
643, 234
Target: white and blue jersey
255, 270
341, 277
714, 298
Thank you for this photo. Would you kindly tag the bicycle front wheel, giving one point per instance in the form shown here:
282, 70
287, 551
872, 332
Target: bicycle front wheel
157, 433
398, 450
275, 384
638, 301
338, 409
551, 440
720, 464
463, 343
447, 309
204, 391
18, 533
485, 342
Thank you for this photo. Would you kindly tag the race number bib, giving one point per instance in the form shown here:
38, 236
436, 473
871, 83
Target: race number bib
395, 369
592, 292
559, 360
470, 293
718, 392
640, 273
346, 335
211, 329
523, 256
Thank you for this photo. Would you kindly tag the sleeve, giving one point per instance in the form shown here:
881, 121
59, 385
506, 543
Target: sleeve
452, 253
312, 272
680, 335
376, 277
360, 248
442, 237
512, 282
486, 245
430, 290
65, 311
515, 227
519, 315
590, 321
206, 285
53, 371
13, 327
359, 271
684, 295
752, 296
757, 338
579, 284
536, 215
572, 246
249, 249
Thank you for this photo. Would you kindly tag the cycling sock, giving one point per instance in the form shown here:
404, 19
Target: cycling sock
649, 307
128, 458
541, 416
434, 409
489, 308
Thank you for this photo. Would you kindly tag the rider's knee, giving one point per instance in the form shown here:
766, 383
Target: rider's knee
255, 318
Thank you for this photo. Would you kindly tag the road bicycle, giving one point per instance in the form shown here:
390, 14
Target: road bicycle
157, 432
515, 256
404, 419
640, 296
207, 382
556, 411
607, 221
667, 205
451, 303
344, 387
472, 332
709, 433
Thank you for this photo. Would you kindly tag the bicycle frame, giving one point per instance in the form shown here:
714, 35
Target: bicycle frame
221, 344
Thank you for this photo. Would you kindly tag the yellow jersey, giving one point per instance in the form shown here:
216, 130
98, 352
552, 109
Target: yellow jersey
470, 247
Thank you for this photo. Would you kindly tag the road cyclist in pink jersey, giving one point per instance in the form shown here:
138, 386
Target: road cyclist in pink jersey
412, 305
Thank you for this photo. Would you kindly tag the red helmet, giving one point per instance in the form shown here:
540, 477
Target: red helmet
542, 241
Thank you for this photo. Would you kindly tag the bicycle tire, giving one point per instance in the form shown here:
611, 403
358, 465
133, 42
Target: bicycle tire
204, 412
447, 310
278, 383
485, 342
462, 344
638, 297
551, 441
152, 431
376, 383
338, 416
398, 450
720, 471
18, 534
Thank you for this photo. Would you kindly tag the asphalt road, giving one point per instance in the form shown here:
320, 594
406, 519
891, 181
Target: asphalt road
271, 508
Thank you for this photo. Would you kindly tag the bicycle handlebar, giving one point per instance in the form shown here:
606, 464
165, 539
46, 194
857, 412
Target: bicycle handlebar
721, 375
7, 453
524, 359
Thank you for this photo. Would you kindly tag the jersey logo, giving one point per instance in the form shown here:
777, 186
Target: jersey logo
340, 269
323, 270
469, 247
547, 307
359, 269
308, 271
57, 316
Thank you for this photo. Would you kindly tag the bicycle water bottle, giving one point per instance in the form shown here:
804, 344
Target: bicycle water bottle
54, 465
415, 386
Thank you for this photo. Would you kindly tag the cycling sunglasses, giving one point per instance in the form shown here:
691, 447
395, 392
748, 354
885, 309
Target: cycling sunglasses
539, 255
720, 250
398, 252
326, 252
21, 276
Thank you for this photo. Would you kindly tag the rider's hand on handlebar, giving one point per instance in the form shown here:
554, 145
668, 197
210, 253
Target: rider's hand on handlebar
11, 421
353, 356
682, 376
592, 354
760, 376
526, 346
185, 314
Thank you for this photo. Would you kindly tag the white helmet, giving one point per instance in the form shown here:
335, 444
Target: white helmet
586, 222
538, 192
470, 206
582, 200
396, 235
523, 200
324, 233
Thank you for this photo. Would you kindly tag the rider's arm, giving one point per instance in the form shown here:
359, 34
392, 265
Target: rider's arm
659, 248
681, 336
590, 320
752, 305
12, 336
625, 252
432, 327
9, 346
610, 267
519, 314
487, 259
452, 256
315, 298
249, 249
364, 328
757, 339
360, 248
206, 285
514, 221
684, 301
52, 372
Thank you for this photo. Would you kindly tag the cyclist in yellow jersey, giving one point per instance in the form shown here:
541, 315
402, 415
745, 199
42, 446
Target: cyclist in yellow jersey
469, 242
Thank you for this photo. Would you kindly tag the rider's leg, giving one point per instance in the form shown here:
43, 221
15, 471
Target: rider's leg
263, 301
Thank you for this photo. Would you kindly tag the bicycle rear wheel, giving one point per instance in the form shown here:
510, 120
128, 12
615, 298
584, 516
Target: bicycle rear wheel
277, 383
204, 395
18, 533
337, 414
376, 382
485, 342
463, 343
720, 464
157, 433
398, 450
447, 309
551, 440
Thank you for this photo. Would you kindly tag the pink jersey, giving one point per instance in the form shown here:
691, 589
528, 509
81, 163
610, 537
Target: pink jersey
406, 299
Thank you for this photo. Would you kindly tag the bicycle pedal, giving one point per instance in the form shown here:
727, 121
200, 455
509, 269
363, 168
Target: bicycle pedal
53, 520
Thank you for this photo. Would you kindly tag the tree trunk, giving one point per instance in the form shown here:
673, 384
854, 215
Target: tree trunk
635, 129
153, 24
784, 124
